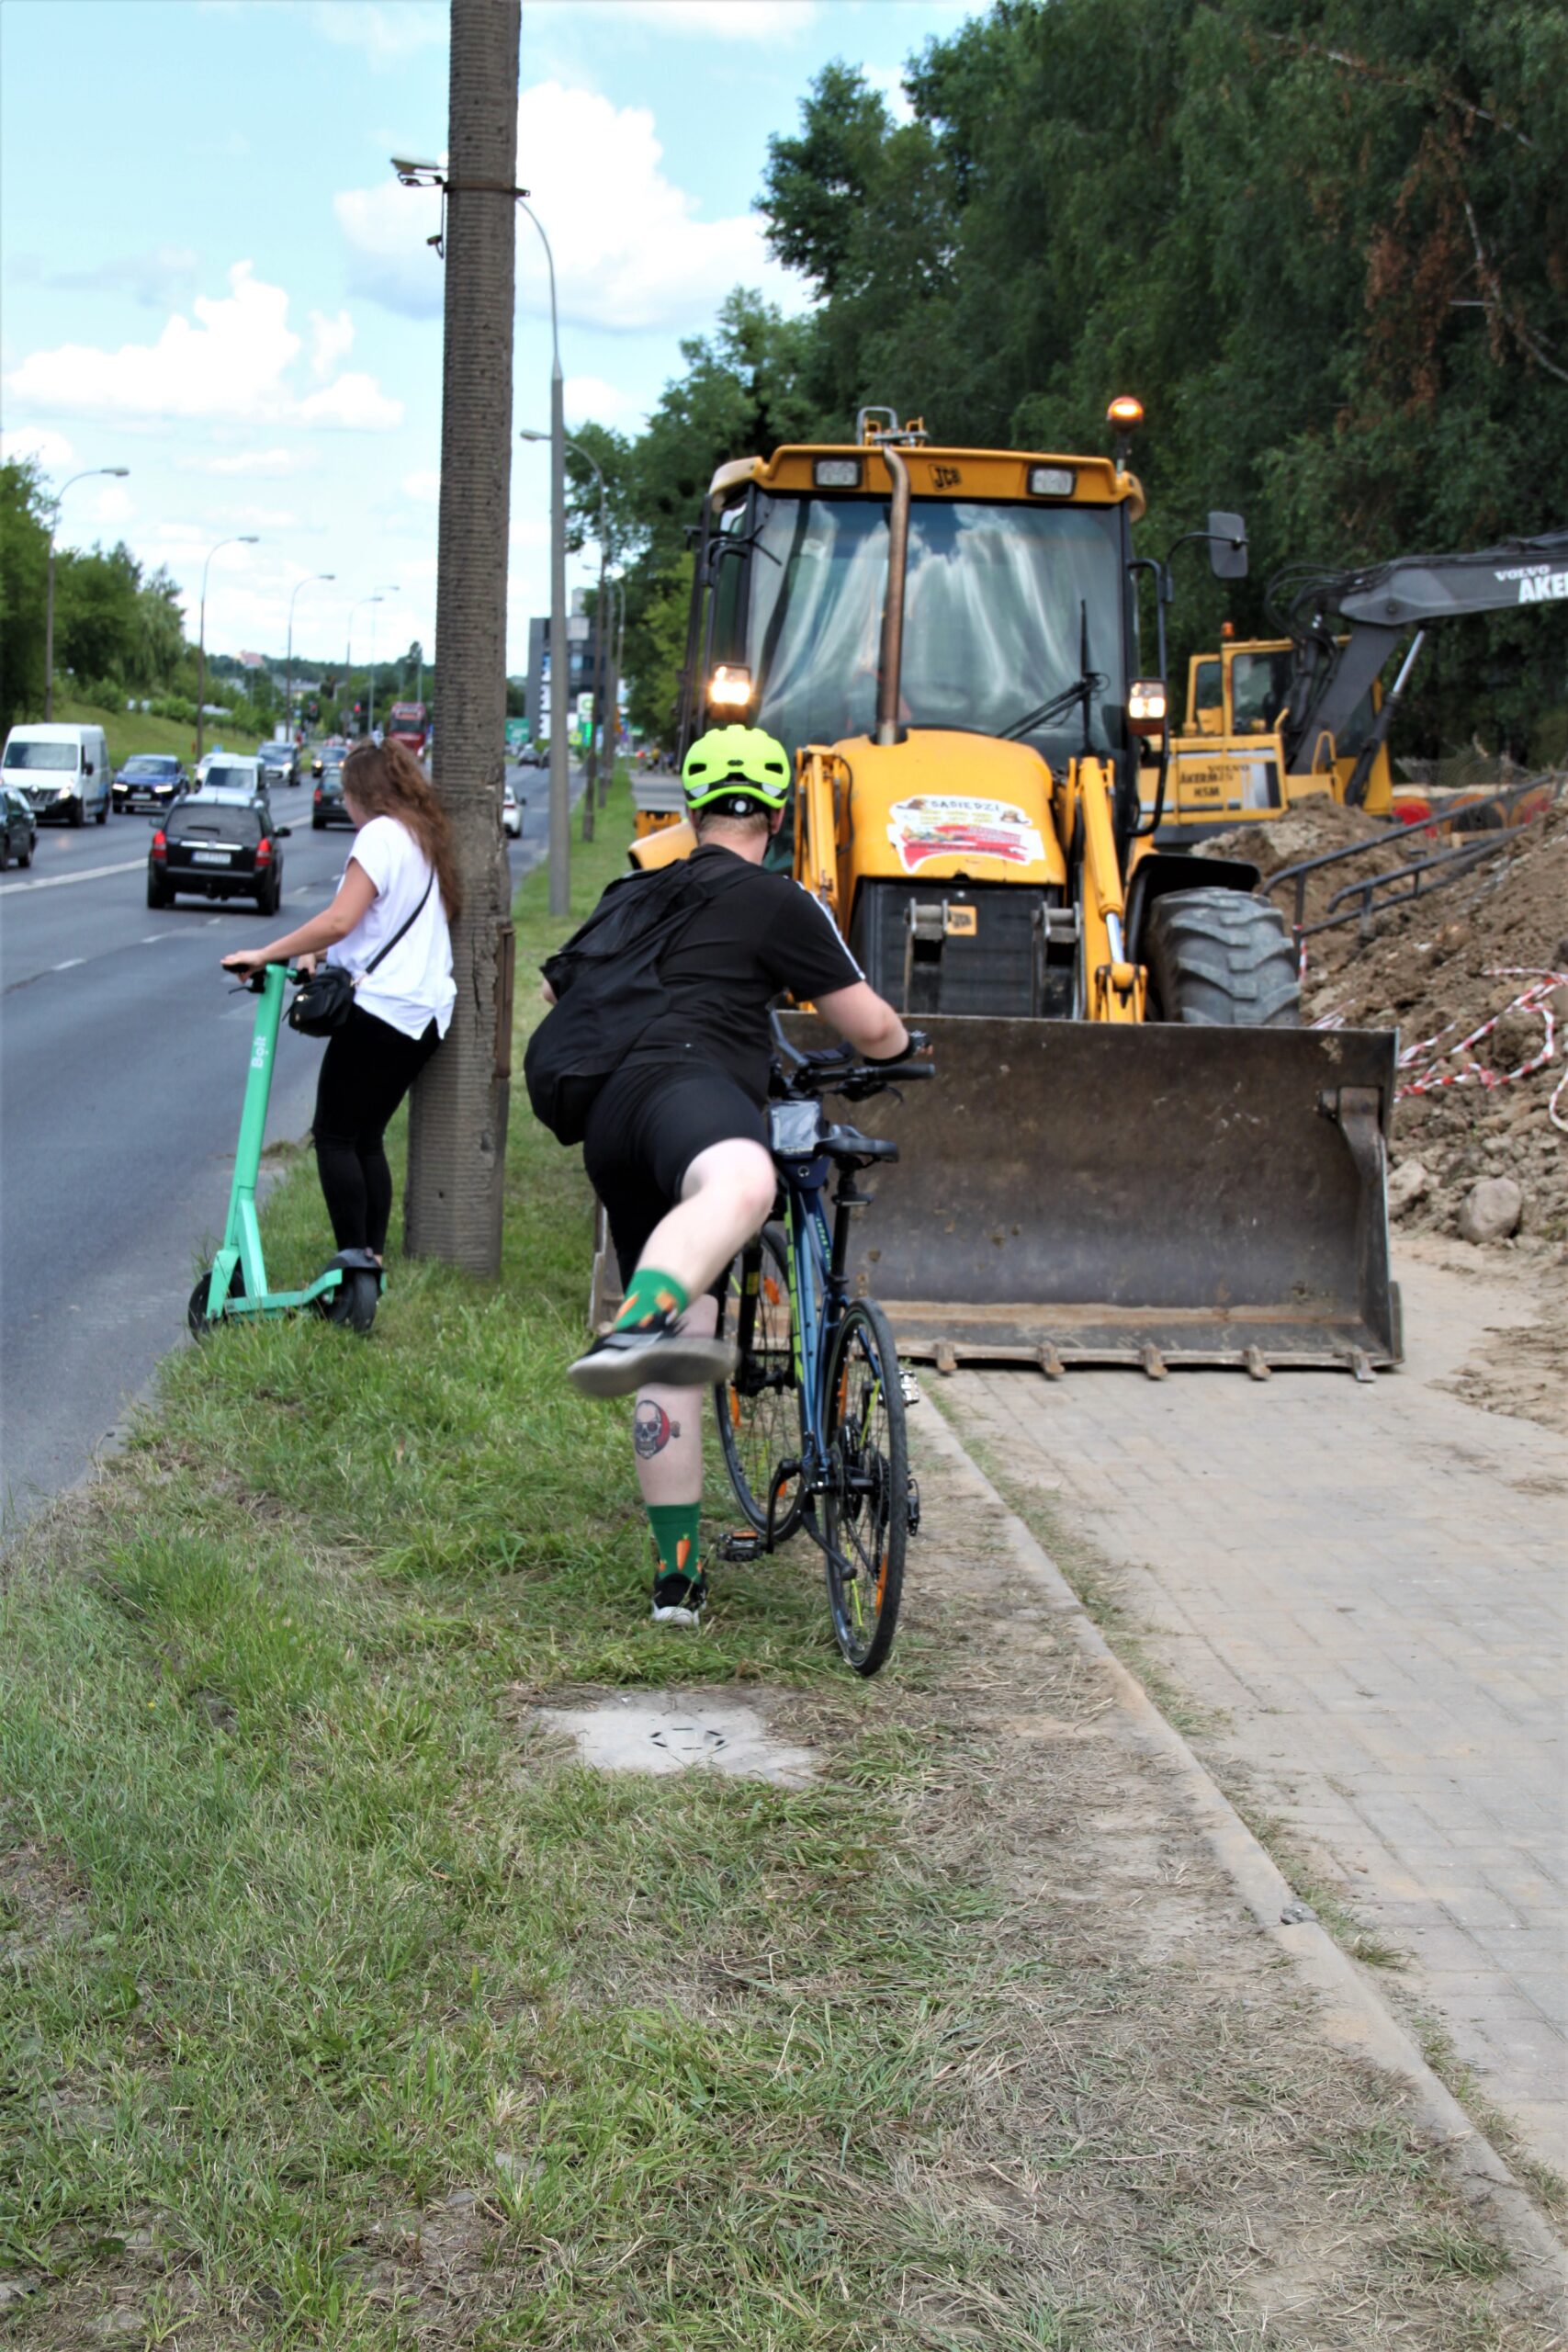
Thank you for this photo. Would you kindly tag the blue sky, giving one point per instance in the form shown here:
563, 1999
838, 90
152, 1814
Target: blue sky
208, 272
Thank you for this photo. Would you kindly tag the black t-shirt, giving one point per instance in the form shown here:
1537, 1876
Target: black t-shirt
755, 939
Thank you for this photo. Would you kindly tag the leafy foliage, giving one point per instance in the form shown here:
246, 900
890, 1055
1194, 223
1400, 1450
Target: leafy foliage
1324, 244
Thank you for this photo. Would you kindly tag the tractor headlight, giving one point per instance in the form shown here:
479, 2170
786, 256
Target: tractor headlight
729, 688
1146, 706
1052, 481
835, 473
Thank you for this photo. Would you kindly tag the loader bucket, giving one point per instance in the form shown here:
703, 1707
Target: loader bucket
1077, 1192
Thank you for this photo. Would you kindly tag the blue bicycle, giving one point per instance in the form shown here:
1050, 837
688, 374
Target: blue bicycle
812, 1421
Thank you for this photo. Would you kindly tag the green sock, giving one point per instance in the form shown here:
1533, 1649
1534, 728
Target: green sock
647, 1292
674, 1529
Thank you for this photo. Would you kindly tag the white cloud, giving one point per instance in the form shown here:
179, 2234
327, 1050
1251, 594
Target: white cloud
631, 250
46, 447
161, 279
331, 340
763, 20
889, 81
424, 488
589, 399
114, 505
229, 366
385, 35
246, 462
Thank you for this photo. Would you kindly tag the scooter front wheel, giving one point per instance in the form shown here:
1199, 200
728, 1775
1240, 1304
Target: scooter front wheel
354, 1302
197, 1315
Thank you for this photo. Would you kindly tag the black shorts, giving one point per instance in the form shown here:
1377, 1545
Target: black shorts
648, 1125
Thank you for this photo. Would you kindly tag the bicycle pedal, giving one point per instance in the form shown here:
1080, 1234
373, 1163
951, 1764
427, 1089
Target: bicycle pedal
740, 1547
912, 1507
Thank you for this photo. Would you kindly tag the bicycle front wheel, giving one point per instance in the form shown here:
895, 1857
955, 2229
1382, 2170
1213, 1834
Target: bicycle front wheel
757, 1409
866, 1506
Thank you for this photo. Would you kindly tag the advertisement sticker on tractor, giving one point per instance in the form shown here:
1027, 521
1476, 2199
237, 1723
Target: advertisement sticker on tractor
950, 825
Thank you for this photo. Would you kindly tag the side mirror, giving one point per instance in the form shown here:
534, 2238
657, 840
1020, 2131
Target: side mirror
90, 769
282, 832
1228, 546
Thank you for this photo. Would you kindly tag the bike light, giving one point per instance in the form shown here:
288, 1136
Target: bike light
729, 688
835, 473
1146, 706
1052, 481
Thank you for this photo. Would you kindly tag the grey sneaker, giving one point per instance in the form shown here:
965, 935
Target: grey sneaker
659, 1353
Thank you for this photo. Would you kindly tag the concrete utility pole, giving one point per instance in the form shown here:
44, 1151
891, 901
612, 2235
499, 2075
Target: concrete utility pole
120, 473
391, 589
461, 1101
245, 539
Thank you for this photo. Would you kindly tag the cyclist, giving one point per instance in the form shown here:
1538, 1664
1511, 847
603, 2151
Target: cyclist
676, 1143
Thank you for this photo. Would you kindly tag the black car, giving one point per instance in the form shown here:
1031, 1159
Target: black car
18, 828
149, 780
278, 763
217, 849
327, 806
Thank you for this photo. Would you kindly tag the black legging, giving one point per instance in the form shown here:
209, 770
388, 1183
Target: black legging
367, 1070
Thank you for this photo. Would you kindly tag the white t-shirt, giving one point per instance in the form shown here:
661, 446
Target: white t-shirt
414, 985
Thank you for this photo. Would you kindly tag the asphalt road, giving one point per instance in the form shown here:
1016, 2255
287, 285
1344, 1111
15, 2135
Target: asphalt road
122, 1066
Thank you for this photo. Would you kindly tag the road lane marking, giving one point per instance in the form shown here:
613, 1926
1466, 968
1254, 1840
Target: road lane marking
87, 874
70, 963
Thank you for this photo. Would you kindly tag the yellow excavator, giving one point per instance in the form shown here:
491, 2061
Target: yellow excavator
1272, 720
1135, 1153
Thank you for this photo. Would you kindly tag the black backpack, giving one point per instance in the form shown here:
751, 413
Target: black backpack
608, 989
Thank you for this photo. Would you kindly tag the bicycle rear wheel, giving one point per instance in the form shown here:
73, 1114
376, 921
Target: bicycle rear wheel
866, 1506
757, 1409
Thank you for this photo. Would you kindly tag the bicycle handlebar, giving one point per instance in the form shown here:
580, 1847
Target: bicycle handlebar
833, 1069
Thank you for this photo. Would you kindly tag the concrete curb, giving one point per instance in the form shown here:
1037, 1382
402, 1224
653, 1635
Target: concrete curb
1350, 2010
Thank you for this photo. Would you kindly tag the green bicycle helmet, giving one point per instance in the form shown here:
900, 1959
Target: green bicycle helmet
734, 770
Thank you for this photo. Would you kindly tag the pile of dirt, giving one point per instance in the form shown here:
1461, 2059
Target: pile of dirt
1439, 970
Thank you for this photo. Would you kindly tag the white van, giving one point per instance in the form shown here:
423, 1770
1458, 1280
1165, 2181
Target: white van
60, 771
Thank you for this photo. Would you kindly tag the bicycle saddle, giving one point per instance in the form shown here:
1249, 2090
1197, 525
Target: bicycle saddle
856, 1150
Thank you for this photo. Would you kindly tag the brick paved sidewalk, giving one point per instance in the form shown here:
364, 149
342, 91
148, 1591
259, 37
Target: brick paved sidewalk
1367, 1585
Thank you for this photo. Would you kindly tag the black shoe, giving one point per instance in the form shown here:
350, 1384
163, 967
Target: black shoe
657, 1352
678, 1599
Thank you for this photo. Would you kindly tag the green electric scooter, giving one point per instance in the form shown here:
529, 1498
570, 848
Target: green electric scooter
233, 1288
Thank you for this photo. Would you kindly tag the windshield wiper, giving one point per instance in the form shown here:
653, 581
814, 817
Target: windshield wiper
1088, 684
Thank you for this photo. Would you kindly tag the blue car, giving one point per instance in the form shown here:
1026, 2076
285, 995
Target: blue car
149, 780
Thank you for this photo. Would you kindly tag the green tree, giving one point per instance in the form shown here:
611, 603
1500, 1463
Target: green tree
23, 564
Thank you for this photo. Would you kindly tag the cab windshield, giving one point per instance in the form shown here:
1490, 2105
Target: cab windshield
999, 602
57, 758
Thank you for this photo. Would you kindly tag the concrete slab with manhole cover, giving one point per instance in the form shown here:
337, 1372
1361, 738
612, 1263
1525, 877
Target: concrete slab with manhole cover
680, 1731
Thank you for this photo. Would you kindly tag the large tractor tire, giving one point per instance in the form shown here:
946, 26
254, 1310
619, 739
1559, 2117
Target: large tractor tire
1218, 959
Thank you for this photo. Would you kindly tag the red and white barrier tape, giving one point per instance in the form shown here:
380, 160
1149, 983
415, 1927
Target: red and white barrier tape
1543, 984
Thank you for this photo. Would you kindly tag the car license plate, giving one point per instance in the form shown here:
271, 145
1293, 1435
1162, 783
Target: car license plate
211, 857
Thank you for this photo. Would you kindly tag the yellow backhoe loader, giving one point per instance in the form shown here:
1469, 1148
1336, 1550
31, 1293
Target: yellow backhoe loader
1133, 1153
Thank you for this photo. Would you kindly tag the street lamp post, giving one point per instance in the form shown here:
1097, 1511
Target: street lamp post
288, 689
390, 588
244, 539
120, 473
560, 657
528, 435
373, 599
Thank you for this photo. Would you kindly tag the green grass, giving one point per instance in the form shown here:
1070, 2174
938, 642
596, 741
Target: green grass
135, 730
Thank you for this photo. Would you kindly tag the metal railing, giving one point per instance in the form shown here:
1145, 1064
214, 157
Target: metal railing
1371, 895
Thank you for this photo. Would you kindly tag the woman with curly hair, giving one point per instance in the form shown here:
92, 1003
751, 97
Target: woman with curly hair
400, 884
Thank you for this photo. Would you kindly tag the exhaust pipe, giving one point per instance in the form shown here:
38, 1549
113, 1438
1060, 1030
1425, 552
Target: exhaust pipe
889, 728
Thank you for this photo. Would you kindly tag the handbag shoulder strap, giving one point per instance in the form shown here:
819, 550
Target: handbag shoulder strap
382, 953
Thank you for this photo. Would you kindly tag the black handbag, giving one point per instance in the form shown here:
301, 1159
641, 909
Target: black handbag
323, 1002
